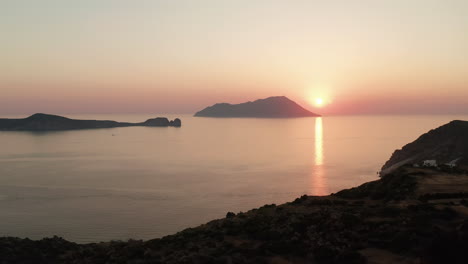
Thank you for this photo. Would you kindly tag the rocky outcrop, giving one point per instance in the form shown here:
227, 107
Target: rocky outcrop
45, 122
272, 107
176, 122
158, 122
445, 144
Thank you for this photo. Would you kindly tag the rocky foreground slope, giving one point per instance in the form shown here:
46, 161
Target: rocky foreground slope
45, 122
412, 215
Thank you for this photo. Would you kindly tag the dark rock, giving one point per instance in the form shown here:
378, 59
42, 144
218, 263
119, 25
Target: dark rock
176, 123
230, 215
158, 121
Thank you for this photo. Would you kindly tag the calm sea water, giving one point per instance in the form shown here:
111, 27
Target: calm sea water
141, 182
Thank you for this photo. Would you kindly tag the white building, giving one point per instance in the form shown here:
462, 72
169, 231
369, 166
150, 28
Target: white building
453, 163
430, 163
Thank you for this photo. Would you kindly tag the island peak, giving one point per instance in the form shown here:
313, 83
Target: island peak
271, 107
45, 116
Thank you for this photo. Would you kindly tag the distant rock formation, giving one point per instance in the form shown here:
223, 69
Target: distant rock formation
176, 122
162, 121
446, 144
45, 122
271, 107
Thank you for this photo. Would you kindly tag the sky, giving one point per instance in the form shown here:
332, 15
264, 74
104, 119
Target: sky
179, 56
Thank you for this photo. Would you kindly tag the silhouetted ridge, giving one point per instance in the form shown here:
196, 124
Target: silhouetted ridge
277, 106
445, 144
46, 122
40, 116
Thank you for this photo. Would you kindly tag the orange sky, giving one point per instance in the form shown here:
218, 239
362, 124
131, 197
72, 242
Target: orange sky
361, 57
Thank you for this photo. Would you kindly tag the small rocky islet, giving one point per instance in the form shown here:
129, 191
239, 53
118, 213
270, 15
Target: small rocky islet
412, 214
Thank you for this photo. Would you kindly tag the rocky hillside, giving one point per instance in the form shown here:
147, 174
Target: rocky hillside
278, 106
445, 144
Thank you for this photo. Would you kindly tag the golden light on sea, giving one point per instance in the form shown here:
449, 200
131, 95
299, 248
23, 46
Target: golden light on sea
318, 180
318, 141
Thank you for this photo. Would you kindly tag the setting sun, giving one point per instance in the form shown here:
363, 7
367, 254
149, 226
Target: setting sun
318, 102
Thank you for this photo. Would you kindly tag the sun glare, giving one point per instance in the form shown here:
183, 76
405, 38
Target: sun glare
318, 102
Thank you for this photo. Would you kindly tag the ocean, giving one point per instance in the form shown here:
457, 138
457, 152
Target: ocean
148, 182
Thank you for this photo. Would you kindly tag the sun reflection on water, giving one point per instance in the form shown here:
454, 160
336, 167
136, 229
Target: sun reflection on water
319, 186
318, 142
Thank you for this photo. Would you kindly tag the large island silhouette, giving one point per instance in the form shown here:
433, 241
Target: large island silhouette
271, 107
46, 122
